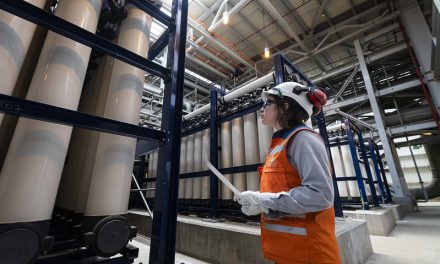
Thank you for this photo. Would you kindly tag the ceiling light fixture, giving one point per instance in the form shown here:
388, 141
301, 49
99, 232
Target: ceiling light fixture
226, 14
266, 49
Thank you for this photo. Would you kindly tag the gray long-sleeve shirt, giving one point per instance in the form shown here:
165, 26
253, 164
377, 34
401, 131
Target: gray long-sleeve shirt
307, 153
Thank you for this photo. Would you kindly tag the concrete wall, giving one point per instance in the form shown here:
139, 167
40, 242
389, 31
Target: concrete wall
228, 242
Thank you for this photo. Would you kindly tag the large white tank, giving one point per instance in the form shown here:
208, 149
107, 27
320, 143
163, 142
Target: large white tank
189, 166
97, 96
182, 167
264, 139
238, 158
252, 151
15, 38
92, 101
205, 157
226, 156
115, 154
35, 159
197, 182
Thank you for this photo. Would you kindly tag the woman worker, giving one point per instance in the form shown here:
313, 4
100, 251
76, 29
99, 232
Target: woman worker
296, 189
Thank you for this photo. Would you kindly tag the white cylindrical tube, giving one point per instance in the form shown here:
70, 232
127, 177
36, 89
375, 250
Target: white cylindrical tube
189, 165
28, 191
182, 167
15, 38
258, 83
353, 188
374, 176
226, 156
264, 139
115, 154
365, 176
339, 170
92, 101
252, 152
197, 182
238, 159
97, 98
206, 189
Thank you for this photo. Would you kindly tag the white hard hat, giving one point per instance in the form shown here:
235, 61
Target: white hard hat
293, 90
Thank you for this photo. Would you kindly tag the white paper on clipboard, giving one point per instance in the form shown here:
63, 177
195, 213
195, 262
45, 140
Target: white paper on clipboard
222, 178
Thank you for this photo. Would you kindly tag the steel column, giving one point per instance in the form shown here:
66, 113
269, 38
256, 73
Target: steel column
399, 183
420, 36
163, 235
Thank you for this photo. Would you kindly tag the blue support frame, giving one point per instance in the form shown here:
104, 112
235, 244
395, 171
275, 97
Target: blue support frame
164, 224
44, 112
159, 45
357, 168
58, 25
377, 170
368, 170
163, 234
382, 172
213, 156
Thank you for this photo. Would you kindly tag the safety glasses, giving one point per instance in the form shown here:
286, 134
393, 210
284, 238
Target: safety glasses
268, 102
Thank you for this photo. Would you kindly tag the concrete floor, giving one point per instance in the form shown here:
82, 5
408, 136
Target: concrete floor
143, 244
415, 239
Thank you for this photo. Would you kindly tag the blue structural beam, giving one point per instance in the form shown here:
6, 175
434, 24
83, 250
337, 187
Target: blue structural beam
155, 12
213, 156
367, 169
357, 168
58, 25
382, 173
159, 44
377, 170
54, 114
163, 235
247, 110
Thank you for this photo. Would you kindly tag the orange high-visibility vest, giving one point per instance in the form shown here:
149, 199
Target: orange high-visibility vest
308, 238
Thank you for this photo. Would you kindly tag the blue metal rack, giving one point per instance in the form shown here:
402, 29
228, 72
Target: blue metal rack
165, 211
380, 172
358, 150
283, 68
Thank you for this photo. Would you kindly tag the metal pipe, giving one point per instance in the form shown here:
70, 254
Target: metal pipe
370, 58
208, 54
432, 188
367, 27
142, 195
266, 79
206, 66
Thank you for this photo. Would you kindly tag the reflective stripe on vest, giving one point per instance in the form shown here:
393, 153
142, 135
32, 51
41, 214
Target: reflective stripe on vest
286, 229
